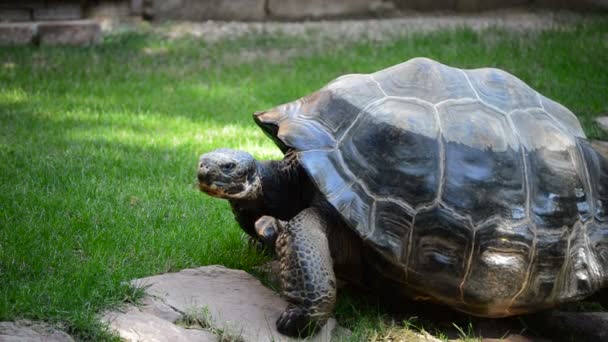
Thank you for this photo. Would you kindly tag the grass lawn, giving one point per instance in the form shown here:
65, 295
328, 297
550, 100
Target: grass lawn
99, 148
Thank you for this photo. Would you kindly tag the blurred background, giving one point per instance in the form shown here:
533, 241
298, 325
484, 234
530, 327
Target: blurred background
198, 10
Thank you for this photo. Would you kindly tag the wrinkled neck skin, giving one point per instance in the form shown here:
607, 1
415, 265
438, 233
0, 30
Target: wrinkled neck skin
285, 191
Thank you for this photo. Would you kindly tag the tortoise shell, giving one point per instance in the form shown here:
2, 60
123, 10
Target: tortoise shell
485, 192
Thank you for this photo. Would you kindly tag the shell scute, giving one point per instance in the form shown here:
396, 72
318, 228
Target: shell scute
502, 90
442, 245
597, 168
392, 225
497, 274
424, 79
344, 99
307, 134
482, 154
557, 192
566, 119
345, 194
373, 149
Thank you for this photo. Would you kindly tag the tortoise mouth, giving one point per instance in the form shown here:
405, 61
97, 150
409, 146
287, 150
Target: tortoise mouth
221, 189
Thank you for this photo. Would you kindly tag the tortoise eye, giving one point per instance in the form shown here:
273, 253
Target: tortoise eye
228, 167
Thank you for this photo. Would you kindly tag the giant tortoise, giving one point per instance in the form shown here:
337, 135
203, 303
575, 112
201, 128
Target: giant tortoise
466, 187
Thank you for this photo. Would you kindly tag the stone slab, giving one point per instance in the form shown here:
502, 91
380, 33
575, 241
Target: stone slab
31, 331
137, 7
482, 5
15, 14
17, 33
298, 9
108, 9
573, 4
78, 32
59, 10
199, 10
231, 303
425, 5
153, 322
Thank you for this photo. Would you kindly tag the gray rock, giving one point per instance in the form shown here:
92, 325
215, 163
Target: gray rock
573, 4
425, 5
15, 14
229, 303
56, 10
298, 9
153, 322
482, 5
97, 9
602, 121
31, 331
199, 10
77, 32
17, 33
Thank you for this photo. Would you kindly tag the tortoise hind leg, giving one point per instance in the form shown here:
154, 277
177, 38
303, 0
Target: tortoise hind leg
307, 274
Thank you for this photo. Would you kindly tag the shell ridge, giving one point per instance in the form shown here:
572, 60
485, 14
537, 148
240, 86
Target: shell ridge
560, 278
568, 112
357, 118
410, 241
523, 154
593, 264
441, 182
355, 178
532, 253
379, 85
532, 258
467, 270
466, 76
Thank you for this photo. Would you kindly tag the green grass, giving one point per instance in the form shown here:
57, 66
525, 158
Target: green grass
99, 146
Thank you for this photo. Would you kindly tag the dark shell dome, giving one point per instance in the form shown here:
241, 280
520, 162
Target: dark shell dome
483, 190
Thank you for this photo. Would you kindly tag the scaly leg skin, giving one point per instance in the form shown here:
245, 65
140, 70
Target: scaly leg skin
307, 274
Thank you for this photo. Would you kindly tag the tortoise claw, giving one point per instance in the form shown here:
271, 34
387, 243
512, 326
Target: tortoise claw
295, 322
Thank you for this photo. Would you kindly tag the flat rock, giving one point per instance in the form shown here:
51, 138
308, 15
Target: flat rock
31, 331
17, 33
602, 121
219, 302
200, 10
297, 9
71, 32
153, 321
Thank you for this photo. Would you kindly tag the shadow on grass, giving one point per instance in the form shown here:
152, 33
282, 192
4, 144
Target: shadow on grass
445, 323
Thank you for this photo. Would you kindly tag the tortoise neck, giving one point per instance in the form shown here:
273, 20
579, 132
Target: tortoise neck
286, 188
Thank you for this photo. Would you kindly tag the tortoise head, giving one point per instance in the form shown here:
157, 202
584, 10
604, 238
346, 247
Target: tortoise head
229, 174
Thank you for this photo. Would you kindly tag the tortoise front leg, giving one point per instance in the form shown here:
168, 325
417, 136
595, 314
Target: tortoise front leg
267, 228
307, 274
